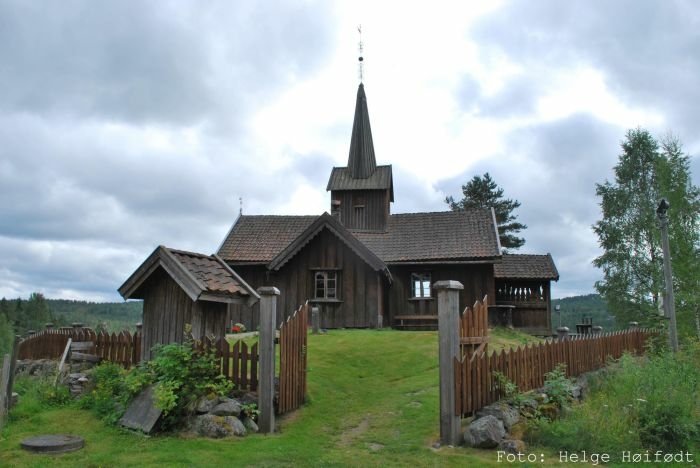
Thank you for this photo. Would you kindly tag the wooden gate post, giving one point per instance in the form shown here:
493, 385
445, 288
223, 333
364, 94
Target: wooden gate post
448, 335
315, 320
266, 381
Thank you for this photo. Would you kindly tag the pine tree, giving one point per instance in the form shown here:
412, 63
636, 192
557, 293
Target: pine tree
483, 192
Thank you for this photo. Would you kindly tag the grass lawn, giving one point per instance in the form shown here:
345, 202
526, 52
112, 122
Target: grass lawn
372, 401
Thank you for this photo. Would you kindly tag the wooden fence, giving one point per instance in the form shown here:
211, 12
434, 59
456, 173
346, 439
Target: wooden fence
293, 343
475, 385
122, 348
239, 361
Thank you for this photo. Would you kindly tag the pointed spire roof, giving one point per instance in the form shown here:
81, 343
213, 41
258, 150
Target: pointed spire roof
361, 162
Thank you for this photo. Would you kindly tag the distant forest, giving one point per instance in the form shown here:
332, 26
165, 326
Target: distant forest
575, 308
18, 316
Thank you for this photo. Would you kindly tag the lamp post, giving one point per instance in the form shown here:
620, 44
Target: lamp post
669, 301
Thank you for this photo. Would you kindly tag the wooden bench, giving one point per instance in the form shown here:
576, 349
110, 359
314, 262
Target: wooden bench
412, 321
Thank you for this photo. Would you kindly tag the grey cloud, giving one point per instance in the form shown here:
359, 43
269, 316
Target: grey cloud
152, 62
647, 50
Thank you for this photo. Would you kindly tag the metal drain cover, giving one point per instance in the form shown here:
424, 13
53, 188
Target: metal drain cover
54, 443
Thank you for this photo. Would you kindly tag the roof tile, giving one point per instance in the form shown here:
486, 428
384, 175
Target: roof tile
526, 266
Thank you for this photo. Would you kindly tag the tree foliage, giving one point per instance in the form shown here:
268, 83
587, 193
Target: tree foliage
632, 261
483, 192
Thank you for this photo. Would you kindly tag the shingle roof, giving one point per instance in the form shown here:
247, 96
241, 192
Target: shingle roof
361, 160
326, 221
411, 237
381, 179
442, 236
199, 275
525, 266
260, 238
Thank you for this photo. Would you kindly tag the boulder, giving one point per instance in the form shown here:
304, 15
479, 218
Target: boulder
250, 425
502, 411
227, 407
486, 432
514, 446
206, 403
209, 425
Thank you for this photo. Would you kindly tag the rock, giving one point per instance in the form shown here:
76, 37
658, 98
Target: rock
484, 432
514, 446
228, 407
582, 384
502, 411
209, 425
250, 425
206, 403
549, 411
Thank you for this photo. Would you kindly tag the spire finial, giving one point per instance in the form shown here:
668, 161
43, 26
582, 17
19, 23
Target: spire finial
240, 200
360, 59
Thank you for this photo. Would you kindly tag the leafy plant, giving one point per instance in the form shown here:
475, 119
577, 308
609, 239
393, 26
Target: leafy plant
509, 389
181, 376
558, 387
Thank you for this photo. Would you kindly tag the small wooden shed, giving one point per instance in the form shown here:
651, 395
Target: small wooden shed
179, 288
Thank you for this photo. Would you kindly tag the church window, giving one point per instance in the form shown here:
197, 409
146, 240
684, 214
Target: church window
326, 285
420, 285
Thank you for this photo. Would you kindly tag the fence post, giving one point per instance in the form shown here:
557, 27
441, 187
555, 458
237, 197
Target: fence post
266, 385
563, 333
448, 334
315, 320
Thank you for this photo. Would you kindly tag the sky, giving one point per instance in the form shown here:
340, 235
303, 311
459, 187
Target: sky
125, 125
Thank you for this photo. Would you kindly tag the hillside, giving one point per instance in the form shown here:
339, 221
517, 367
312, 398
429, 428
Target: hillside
114, 316
574, 308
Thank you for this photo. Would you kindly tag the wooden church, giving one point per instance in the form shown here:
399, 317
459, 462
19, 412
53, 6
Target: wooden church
366, 267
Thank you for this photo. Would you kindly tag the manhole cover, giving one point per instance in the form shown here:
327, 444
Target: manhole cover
53, 443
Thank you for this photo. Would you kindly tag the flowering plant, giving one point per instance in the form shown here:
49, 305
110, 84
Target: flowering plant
238, 328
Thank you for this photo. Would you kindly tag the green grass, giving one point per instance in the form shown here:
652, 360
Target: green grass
372, 401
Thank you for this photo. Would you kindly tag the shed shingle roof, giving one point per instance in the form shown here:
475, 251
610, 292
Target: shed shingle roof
199, 275
411, 237
525, 266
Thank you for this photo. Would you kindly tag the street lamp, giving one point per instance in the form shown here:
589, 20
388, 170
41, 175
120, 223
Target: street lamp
558, 309
669, 301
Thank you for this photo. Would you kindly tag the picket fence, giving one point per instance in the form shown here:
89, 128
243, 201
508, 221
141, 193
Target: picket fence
476, 386
239, 361
122, 348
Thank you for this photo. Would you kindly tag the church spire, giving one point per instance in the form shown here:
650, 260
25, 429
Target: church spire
361, 162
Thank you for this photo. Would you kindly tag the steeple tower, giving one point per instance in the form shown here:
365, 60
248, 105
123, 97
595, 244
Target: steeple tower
362, 192
361, 161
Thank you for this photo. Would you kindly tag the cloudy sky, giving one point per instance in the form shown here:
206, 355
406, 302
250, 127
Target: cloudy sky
125, 124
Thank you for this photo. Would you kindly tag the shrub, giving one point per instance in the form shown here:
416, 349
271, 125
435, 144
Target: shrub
642, 404
558, 387
181, 376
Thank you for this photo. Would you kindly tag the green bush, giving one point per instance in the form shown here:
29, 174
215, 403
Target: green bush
110, 393
181, 376
558, 387
648, 403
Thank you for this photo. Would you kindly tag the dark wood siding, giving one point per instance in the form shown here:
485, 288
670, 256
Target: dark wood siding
358, 286
477, 280
166, 310
366, 210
